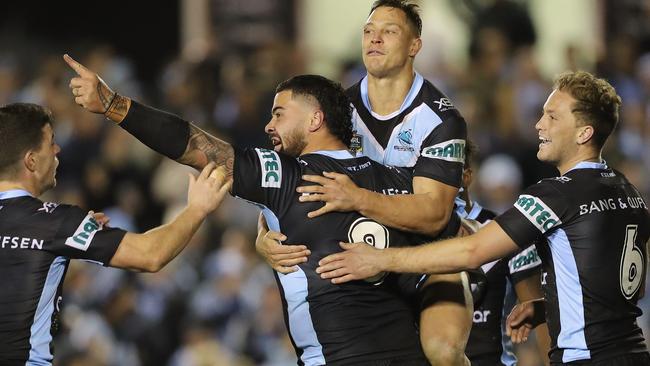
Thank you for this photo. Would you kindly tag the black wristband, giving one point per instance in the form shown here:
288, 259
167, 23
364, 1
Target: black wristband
163, 132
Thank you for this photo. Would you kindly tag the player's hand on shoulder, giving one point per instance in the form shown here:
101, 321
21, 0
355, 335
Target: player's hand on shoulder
100, 217
281, 257
88, 89
358, 261
206, 192
337, 190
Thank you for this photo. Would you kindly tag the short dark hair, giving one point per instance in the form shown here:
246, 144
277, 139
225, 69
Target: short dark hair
21, 129
596, 103
410, 10
331, 98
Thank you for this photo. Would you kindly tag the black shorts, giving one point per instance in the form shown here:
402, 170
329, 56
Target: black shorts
634, 359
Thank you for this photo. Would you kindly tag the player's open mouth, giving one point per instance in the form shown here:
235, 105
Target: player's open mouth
543, 141
275, 141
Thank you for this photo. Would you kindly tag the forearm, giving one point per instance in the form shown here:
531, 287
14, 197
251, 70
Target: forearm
162, 244
449, 256
408, 212
452, 255
172, 136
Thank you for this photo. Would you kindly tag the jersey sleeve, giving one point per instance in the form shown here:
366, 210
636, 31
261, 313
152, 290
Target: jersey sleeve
524, 264
265, 177
80, 236
442, 153
538, 211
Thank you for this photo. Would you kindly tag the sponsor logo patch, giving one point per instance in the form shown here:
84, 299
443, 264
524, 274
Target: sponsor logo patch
528, 258
271, 168
537, 212
84, 234
451, 150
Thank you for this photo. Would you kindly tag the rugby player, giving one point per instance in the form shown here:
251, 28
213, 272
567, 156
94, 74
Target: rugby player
362, 323
401, 119
591, 226
38, 239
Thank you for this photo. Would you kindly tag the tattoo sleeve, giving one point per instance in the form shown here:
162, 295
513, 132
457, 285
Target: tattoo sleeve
203, 148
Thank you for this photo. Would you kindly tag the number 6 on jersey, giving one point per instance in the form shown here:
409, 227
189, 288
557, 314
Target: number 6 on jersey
632, 264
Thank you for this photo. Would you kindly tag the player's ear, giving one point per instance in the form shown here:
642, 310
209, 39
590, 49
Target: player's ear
317, 120
584, 134
30, 160
416, 45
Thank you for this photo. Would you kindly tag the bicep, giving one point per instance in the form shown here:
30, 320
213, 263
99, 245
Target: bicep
441, 194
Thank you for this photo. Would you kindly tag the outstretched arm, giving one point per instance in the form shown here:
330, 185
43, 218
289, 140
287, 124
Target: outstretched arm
165, 133
151, 251
360, 260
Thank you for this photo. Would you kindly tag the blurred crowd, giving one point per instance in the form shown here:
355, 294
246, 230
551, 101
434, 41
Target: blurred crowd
217, 303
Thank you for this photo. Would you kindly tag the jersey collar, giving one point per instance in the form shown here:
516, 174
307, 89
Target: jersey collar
589, 165
462, 213
335, 154
413, 92
13, 193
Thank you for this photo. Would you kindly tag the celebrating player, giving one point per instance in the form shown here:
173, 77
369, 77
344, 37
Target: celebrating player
38, 239
365, 322
591, 227
401, 119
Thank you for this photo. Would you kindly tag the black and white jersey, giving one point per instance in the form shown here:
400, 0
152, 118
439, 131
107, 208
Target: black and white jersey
594, 226
487, 343
357, 323
37, 240
427, 133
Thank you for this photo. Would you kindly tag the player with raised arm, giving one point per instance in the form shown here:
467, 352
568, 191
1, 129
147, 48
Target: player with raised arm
591, 226
361, 323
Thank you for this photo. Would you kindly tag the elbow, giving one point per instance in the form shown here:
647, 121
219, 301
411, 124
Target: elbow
437, 223
153, 264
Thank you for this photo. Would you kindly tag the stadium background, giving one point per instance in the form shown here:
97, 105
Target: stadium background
216, 62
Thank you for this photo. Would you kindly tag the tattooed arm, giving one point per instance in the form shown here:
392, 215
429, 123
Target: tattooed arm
163, 132
203, 148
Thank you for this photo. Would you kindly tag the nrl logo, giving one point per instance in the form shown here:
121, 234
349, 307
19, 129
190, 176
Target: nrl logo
356, 143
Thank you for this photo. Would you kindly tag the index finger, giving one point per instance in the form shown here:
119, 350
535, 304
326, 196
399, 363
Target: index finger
207, 170
77, 67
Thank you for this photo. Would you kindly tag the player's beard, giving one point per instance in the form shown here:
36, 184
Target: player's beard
294, 143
